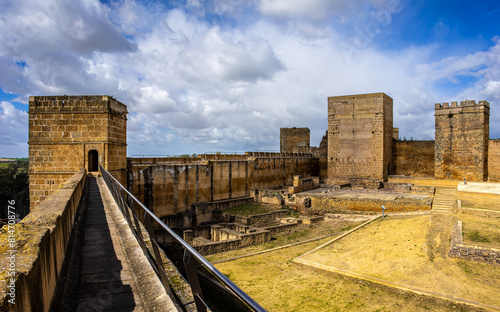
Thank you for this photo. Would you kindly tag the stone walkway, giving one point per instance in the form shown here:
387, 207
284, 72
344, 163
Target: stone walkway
106, 282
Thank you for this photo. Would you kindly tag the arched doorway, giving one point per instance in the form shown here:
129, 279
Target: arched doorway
93, 157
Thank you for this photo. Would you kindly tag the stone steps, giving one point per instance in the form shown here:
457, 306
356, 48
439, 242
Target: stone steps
444, 200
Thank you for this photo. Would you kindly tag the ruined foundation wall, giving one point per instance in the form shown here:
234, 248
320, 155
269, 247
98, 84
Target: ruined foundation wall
471, 252
462, 136
413, 158
494, 160
326, 204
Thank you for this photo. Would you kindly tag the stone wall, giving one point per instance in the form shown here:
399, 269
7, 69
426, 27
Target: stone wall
395, 134
67, 133
413, 158
359, 138
277, 172
494, 160
321, 153
281, 228
230, 236
471, 252
204, 213
423, 181
40, 248
293, 139
326, 203
270, 197
462, 135
170, 189
264, 217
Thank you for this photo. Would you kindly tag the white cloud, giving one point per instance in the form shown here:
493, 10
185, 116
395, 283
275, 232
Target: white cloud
14, 134
191, 86
317, 9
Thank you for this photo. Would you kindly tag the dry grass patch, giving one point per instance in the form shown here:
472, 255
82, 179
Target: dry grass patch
413, 252
484, 230
279, 284
301, 233
480, 201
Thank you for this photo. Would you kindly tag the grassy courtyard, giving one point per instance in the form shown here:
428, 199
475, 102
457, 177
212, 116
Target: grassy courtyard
411, 250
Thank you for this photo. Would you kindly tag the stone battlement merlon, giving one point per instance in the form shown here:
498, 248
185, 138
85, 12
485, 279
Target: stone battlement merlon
77, 104
466, 103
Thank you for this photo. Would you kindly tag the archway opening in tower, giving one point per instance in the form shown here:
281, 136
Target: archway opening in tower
93, 157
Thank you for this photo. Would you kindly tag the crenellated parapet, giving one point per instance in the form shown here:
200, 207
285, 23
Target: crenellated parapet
77, 104
462, 106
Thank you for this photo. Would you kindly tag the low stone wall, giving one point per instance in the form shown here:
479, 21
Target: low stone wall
302, 185
35, 249
265, 217
328, 203
313, 220
423, 181
203, 213
270, 197
216, 247
230, 236
479, 187
281, 228
471, 252
411, 189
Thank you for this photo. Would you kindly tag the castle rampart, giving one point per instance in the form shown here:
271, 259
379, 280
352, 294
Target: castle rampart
413, 158
171, 189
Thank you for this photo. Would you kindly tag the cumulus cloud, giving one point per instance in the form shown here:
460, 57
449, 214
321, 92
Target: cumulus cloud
14, 134
192, 84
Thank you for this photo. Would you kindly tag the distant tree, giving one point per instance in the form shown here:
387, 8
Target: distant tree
14, 185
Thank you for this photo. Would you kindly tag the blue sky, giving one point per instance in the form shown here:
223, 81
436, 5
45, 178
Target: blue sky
206, 76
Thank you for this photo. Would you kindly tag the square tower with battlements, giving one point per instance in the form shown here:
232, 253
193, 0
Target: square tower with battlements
68, 133
462, 135
360, 134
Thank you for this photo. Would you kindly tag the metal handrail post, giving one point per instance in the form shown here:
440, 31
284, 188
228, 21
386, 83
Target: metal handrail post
194, 281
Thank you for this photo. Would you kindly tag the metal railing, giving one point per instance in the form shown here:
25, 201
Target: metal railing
211, 289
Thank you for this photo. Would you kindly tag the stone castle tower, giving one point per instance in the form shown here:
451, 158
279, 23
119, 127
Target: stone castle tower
462, 135
68, 133
294, 140
360, 134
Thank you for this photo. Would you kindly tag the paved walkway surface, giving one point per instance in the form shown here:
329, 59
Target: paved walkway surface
106, 282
